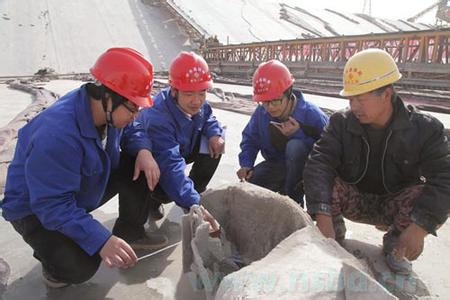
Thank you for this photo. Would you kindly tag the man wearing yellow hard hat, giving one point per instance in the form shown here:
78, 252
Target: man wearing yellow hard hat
380, 162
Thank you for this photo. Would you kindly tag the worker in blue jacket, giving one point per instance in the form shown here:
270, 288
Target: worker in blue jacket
283, 127
179, 121
67, 163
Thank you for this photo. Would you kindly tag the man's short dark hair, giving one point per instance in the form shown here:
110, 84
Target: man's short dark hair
380, 91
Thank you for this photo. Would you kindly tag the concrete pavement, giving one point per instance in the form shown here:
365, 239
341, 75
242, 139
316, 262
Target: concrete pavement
160, 277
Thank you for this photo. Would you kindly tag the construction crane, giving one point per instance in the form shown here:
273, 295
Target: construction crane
443, 12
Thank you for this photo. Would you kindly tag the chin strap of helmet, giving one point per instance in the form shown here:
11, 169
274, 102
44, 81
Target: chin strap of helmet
99, 92
108, 113
292, 101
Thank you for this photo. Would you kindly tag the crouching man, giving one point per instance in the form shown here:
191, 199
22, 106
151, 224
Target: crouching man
381, 163
67, 163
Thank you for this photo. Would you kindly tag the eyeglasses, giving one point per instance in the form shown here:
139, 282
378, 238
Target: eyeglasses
274, 102
131, 107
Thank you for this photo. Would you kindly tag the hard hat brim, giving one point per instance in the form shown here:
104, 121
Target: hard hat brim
372, 86
142, 101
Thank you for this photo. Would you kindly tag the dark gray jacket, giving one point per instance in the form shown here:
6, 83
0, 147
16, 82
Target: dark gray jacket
415, 152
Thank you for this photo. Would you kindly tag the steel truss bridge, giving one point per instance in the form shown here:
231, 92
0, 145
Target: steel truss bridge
422, 56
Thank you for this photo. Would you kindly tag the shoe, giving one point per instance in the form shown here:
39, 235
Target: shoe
52, 282
156, 213
390, 240
339, 228
150, 241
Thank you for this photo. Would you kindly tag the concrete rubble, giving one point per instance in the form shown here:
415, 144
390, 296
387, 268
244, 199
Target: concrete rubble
5, 271
8, 134
283, 254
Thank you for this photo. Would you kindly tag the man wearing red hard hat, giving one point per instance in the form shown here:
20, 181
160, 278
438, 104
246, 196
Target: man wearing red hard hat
179, 121
283, 127
67, 163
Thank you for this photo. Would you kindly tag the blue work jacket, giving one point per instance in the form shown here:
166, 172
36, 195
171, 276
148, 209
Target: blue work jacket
256, 135
60, 171
173, 135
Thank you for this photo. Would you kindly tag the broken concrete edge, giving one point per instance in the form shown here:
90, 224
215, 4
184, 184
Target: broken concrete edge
272, 269
41, 98
402, 286
353, 279
5, 272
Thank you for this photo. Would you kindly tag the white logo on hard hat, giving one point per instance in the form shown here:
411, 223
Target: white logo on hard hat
262, 85
195, 74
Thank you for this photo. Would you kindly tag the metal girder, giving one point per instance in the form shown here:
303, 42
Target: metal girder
423, 57
430, 46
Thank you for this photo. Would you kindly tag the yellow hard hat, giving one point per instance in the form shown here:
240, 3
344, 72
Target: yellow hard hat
368, 70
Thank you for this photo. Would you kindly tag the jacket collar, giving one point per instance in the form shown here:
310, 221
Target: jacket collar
299, 95
400, 119
83, 114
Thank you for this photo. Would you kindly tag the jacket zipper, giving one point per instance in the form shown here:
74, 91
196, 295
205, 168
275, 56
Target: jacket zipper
367, 162
382, 163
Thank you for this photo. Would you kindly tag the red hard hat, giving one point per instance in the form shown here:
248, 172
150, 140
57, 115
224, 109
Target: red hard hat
189, 72
126, 72
270, 81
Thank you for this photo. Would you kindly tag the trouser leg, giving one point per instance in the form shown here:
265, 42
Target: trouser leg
296, 154
201, 173
398, 207
202, 170
60, 256
134, 202
270, 175
390, 209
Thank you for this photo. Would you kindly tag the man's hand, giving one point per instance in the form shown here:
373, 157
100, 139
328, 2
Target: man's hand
410, 243
289, 127
216, 146
147, 164
117, 253
325, 225
214, 226
244, 173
